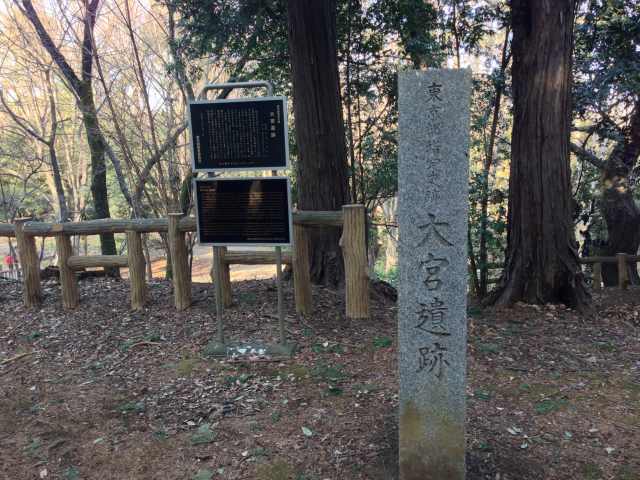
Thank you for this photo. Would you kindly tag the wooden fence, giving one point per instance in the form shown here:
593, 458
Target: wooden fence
14, 274
352, 219
621, 259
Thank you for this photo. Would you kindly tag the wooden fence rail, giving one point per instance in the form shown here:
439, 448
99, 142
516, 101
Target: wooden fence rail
148, 225
14, 274
621, 259
176, 225
628, 258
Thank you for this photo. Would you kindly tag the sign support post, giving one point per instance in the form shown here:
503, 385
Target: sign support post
283, 337
280, 300
217, 265
283, 348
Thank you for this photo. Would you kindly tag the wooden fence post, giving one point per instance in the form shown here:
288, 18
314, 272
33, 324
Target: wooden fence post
597, 276
623, 272
68, 280
301, 271
354, 250
135, 255
223, 276
30, 263
179, 264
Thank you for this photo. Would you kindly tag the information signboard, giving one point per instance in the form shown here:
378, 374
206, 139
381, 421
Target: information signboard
248, 211
239, 134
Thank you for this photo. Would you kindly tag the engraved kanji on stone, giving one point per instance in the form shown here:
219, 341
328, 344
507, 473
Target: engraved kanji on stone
434, 92
433, 266
433, 177
432, 359
433, 317
433, 227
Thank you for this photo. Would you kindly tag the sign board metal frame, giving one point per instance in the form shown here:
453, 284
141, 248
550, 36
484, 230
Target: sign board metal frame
244, 179
218, 347
285, 122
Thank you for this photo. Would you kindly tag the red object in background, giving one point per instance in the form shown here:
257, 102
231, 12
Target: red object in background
8, 260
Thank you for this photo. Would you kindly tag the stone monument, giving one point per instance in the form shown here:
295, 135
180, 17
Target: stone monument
432, 216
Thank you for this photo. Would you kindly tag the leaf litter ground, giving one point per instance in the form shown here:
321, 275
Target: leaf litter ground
106, 393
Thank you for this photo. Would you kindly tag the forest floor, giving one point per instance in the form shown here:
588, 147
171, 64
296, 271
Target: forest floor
106, 393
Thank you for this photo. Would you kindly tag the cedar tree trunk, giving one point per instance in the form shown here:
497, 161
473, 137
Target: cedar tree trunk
618, 205
322, 165
542, 260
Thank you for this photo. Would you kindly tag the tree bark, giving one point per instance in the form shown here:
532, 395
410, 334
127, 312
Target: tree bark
322, 165
542, 260
619, 208
99, 192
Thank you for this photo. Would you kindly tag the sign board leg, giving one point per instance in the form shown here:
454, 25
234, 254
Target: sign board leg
282, 348
283, 338
218, 348
219, 300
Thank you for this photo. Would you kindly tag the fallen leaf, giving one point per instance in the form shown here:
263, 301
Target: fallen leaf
204, 474
203, 435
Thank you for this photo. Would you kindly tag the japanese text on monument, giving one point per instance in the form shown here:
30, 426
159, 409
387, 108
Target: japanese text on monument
432, 320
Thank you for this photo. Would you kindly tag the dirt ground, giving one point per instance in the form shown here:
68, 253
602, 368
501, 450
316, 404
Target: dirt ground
201, 270
106, 393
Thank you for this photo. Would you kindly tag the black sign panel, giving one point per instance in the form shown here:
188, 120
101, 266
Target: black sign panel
243, 211
239, 134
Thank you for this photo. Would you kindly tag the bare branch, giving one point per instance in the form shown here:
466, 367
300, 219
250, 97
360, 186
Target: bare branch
587, 155
144, 175
117, 166
87, 43
48, 44
20, 122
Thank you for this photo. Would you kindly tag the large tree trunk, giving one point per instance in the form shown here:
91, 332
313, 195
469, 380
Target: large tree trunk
542, 260
99, 192
321, 166
95, 138
623, 226
618, 206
